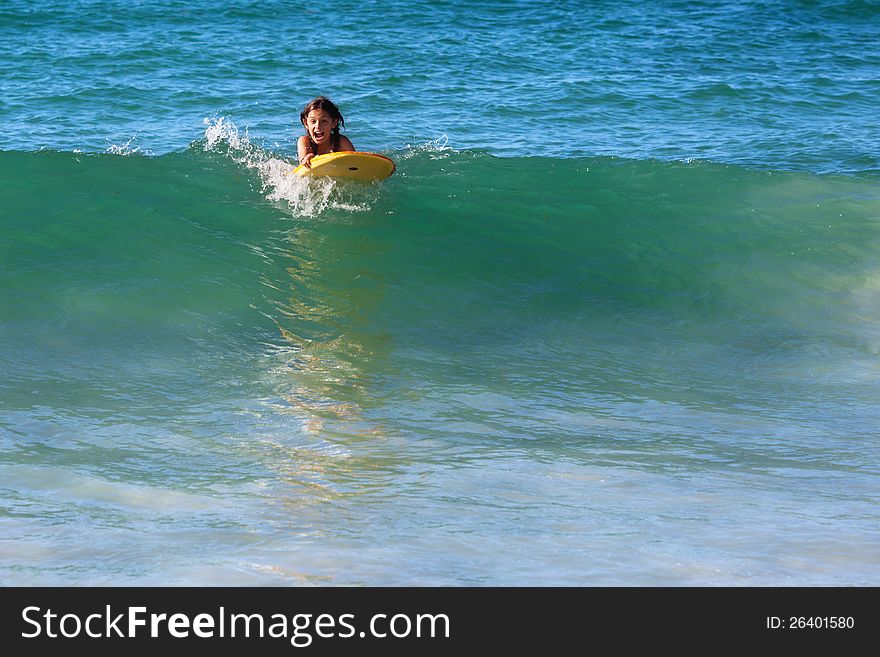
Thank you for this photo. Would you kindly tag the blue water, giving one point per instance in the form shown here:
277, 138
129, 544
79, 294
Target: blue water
613, 321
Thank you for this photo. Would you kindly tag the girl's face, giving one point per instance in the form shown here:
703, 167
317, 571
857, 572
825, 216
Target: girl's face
320, 126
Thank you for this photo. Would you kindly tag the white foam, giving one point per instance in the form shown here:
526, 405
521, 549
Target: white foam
306, 197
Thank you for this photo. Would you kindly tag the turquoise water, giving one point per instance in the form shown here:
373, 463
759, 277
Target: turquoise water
613, 321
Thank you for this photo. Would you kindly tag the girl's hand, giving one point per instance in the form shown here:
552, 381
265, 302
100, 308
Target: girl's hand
306, 160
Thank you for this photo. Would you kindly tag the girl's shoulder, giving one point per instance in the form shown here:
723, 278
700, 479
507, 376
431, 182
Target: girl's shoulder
345, 143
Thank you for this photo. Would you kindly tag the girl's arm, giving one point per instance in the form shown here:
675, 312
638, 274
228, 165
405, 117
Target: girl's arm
304, 153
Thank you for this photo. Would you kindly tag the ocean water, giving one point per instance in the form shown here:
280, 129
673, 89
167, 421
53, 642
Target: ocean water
615, 320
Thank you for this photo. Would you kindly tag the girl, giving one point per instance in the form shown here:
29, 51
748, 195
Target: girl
322, 120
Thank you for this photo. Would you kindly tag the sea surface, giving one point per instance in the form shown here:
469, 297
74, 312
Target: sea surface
615, 320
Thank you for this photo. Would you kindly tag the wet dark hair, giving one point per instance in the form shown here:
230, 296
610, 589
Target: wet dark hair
323, 103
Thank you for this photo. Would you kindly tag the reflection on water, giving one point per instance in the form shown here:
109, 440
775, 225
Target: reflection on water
333, 344
323, 439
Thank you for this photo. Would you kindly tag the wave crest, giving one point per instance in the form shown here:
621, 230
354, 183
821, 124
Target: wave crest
305, 197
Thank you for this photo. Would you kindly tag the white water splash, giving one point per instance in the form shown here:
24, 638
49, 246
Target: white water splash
127, 148
306, 197
435, 148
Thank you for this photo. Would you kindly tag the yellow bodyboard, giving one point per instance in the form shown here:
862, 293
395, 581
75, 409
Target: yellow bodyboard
349, 164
